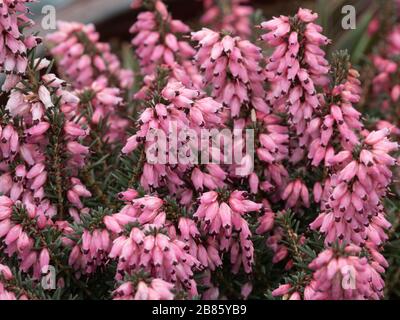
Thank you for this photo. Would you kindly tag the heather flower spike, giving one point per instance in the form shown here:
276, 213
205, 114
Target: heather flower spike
296, 70
231, 66
158, 39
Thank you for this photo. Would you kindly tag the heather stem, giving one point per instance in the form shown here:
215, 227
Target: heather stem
136, 173
91, 183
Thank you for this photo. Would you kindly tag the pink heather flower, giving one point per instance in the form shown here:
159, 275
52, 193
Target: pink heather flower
23, 141
157, 41
228, 15
165, 245
206, 251
296, 193
266, 172
393, 41
383, 124
282, 290
373, 26
160, 254
296, 69
14, 46
143, 210
15, 236
274, 242
77, 192
6, 272
212, 291
352, 209
272, 151
341, 117
156, 289
31, 107
73, 44
92, 252
246, 290
266, 222
231, 66
99, 77
385, 87
6, 290
344, 276
273, 141
224, 220
385, 70
186, 109
106, 103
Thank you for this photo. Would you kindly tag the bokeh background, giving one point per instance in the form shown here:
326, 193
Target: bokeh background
113, 18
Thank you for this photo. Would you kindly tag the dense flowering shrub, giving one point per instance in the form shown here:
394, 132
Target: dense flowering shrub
112, 192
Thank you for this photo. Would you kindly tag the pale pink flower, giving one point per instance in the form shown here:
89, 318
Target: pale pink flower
155, 289
345, 276
231, 66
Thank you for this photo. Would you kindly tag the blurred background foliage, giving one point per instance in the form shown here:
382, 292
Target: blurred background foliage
113, 18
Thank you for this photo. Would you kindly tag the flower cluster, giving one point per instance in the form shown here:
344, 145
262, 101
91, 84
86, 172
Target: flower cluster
231, 66
157, 41
180, 109
333, 135
5, 276
340, 117
340, 276
95, 72
157, 289
15, 46
125, 194
296, 69
82, 58
25, 140
353, 210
